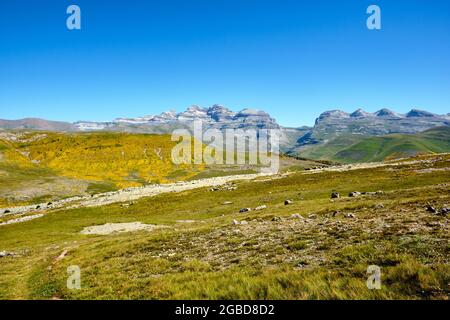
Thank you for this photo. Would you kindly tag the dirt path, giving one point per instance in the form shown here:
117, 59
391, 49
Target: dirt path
129, 194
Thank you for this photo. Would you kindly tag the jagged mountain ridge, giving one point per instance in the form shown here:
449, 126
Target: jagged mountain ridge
216, 116
328, 125
334, 123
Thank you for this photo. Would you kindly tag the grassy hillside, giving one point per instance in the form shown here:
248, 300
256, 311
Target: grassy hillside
435, 140
322, 255
45, 165
356, 148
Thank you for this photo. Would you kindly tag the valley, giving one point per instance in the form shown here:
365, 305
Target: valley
203, 247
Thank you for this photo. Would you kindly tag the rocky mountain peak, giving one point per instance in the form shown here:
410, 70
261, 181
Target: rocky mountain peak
332, 114
385, 113
360, 113
420, 114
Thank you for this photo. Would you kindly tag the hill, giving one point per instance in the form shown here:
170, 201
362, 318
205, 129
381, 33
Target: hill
361, 148
196, 244
47, 165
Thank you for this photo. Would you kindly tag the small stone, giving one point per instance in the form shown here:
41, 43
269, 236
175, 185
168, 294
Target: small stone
288, 202
312, 216
350, 215
335, 195
354, 194
335, 213
235, 222
7, 211
431, 209
227, 203
244, 222
261, 207
276, 219
445, 211
379, 206
245, 210
296, 216
6, 254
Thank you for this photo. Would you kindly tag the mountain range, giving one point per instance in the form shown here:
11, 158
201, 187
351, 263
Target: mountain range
333, 128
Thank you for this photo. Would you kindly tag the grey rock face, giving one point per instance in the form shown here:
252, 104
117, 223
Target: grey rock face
332, 124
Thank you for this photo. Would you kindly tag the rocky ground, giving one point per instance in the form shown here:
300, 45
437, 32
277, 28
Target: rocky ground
302, 235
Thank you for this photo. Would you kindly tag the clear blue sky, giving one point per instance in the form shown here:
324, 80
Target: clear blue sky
293, 59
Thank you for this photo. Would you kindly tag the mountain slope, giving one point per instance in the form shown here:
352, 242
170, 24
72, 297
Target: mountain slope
436, 140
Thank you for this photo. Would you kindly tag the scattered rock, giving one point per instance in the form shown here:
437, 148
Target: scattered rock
335, 195
7, 211
444, 211
335, 213
379, 192
276, 219
245, 210
49, 204
227, 203
261, 208
110, 228
312, 216
244, 222
6, 254
185, 221
296, 216
125, 205
235, 222
288, 202
431, 209
38, 207
350, 215
354, 194
23, 219
61, 256
379, 206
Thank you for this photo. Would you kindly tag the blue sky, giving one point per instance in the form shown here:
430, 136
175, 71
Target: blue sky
293, 59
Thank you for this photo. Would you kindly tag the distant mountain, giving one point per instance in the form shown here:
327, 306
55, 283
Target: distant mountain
216, 116
436, 140
335, 129
332, 124
37, 124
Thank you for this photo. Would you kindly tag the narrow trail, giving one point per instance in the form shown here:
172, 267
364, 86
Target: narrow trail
129, 194
132, 194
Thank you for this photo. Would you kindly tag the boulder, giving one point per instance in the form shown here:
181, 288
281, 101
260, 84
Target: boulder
431, 209
335, 195
335, 213
6, 254
245, 210
288, 202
